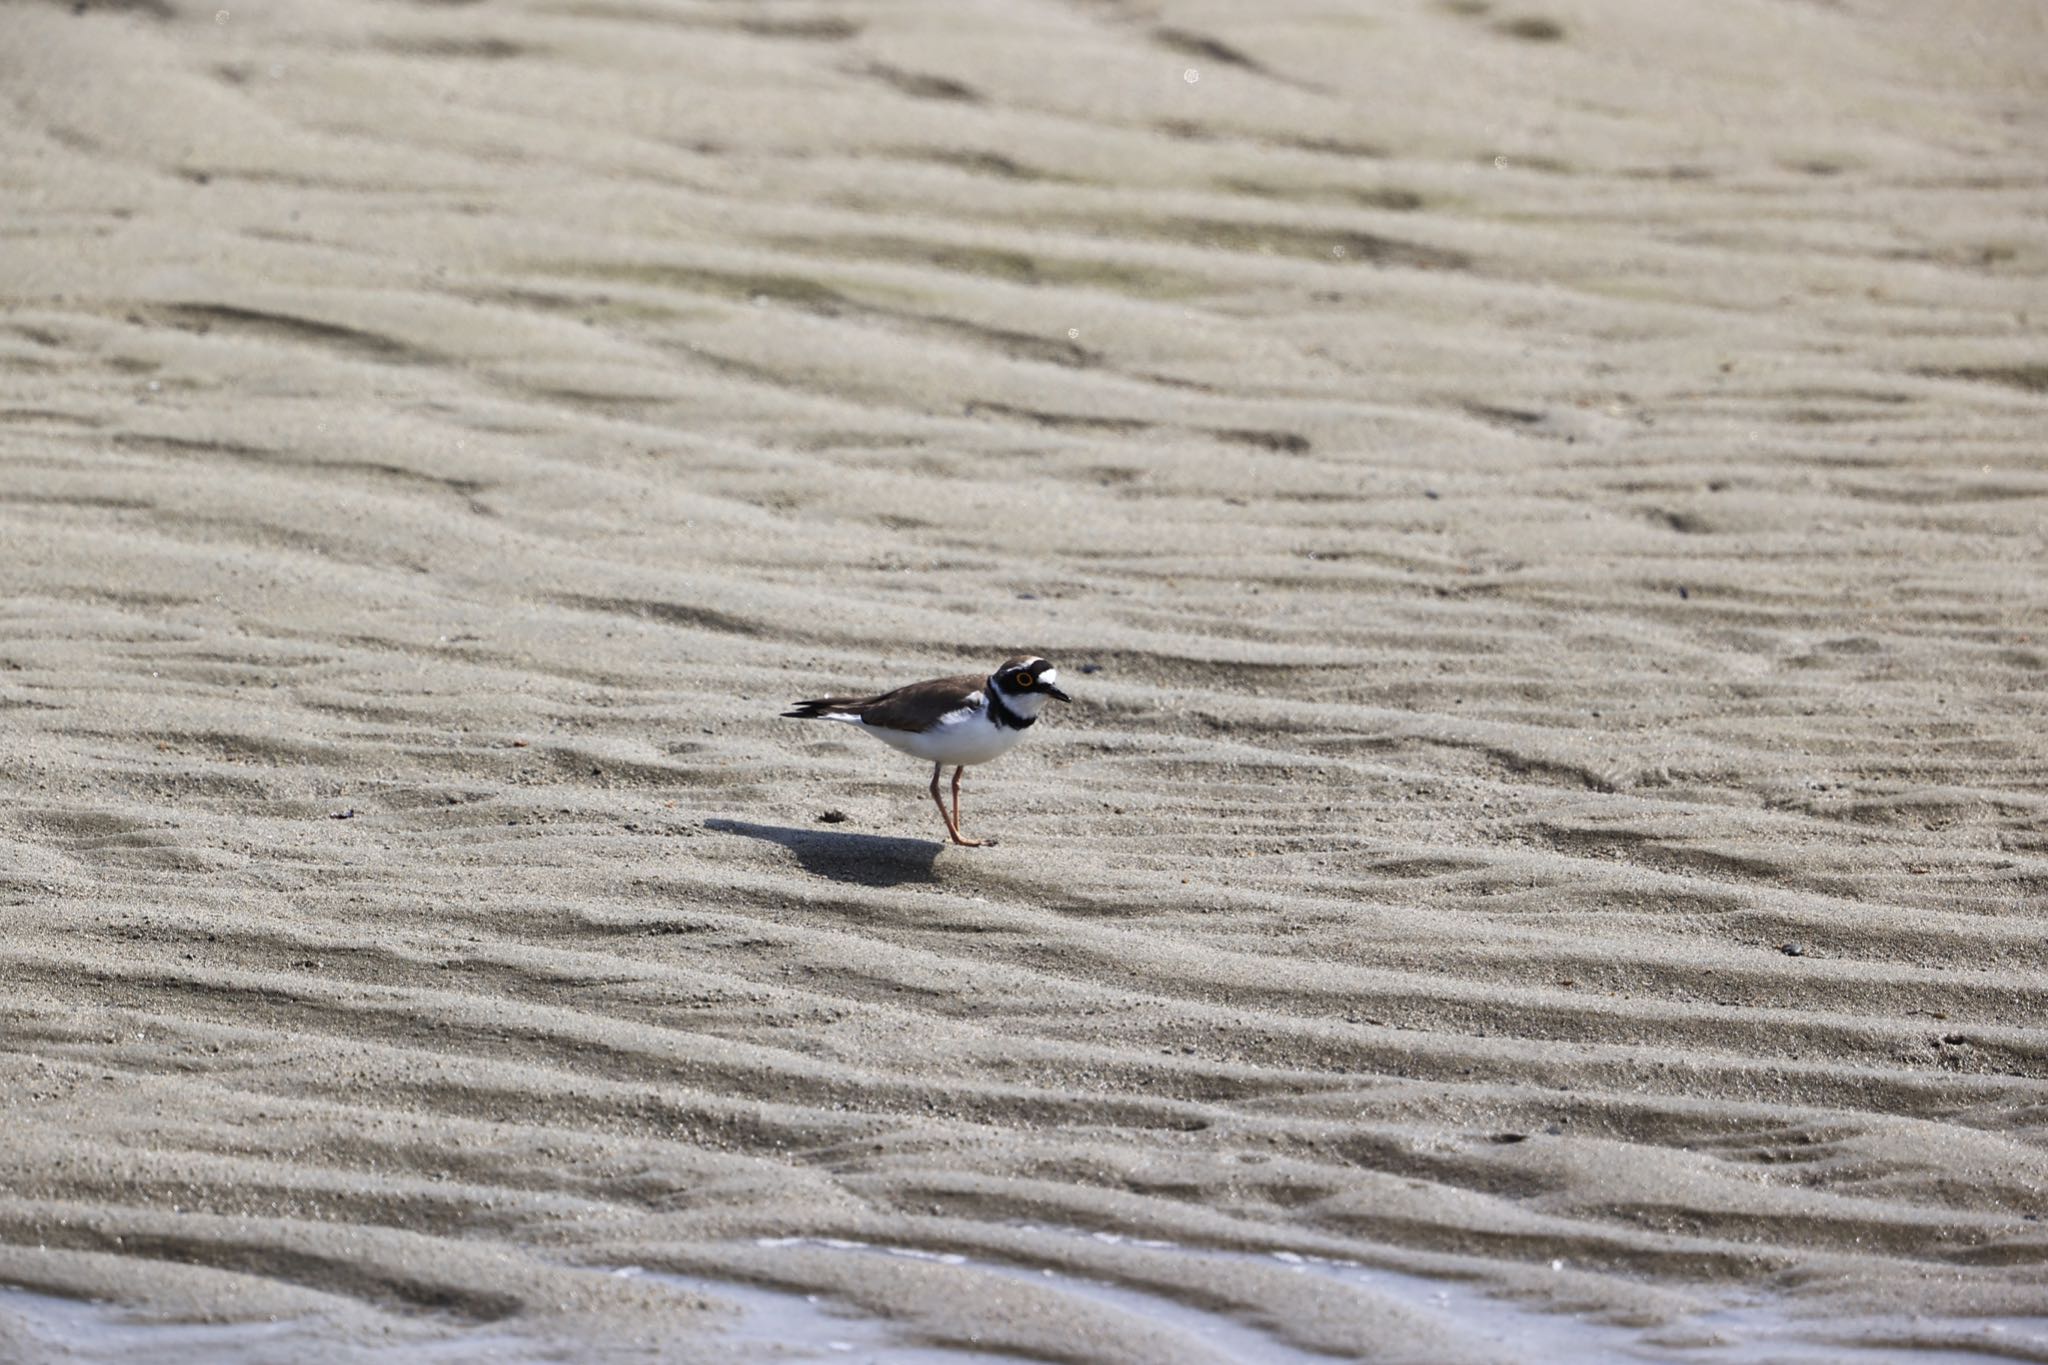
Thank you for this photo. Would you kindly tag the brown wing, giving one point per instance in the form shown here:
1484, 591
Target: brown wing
919, 705
914, 707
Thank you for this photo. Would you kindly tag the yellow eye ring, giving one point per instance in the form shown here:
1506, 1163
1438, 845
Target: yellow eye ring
1023, 680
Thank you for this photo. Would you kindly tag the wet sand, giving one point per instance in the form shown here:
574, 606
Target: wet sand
1543, 512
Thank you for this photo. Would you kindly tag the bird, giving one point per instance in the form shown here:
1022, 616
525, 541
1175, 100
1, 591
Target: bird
959, 721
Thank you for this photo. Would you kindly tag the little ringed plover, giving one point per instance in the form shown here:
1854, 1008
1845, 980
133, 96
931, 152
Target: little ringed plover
956, 721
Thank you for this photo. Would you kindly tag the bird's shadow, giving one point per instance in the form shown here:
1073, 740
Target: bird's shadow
864, 859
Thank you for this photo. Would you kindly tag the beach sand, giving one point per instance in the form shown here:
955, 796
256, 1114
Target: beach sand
1543, 512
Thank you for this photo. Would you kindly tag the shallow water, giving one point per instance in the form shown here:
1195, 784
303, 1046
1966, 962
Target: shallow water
86, 1332
781, 1325
1753, 1331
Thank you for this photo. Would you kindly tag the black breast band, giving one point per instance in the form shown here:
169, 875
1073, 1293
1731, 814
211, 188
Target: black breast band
1002, 715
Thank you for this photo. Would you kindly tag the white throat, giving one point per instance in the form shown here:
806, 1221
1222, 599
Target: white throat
1025, 704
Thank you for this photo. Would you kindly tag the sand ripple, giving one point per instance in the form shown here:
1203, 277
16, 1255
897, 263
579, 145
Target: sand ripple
1542, 511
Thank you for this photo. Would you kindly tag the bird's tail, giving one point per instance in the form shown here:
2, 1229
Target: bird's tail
819, 708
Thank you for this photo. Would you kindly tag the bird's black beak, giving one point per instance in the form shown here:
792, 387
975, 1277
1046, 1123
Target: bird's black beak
1053, 692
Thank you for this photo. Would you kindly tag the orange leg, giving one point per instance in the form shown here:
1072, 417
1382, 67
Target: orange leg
952, 820
939, 800
956, 801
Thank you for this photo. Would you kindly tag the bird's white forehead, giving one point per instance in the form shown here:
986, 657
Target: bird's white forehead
1048, 674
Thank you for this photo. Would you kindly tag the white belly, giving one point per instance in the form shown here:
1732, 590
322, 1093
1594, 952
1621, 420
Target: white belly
961, 738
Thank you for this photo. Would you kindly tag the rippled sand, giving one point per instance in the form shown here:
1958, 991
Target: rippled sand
1543, 511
